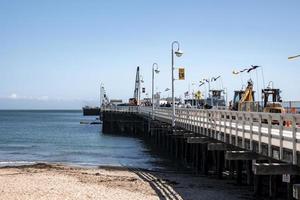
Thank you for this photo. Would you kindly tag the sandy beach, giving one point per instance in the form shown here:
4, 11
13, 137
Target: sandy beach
51, 181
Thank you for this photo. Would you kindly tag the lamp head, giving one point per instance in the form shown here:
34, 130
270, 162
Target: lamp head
178, 53
157, 70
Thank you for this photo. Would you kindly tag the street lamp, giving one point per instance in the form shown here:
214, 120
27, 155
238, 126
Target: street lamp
201, 82
178, 53
292, 57
156, 70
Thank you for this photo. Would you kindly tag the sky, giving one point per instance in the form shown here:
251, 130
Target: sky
55, 53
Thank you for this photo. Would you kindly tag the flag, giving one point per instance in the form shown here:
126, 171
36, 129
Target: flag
243, 70
186, 94
292, 57
253, 67
235, 72
214, 79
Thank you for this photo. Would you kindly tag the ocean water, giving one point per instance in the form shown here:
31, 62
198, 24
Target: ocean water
58, 137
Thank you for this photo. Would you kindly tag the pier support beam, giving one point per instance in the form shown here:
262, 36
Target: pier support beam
220, 163
204, 159
243, 155
249, 172
198, 140
275, 169
239, 157
219, 147
219, 150
239, 172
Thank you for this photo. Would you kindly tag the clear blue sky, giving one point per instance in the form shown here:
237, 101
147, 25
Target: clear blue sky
55, 53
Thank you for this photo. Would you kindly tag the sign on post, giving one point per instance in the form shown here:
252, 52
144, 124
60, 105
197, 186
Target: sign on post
286, 178
181, 75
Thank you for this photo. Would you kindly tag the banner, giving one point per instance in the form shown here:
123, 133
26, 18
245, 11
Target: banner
181, 75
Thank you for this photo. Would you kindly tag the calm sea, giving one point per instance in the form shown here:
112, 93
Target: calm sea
58, 137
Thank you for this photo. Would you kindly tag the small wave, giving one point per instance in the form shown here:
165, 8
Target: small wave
15, 163
90, 165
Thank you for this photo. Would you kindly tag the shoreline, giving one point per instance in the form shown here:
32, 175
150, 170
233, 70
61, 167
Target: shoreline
16, 164
56, 181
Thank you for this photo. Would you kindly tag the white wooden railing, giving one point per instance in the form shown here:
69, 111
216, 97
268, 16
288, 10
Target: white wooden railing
271, 129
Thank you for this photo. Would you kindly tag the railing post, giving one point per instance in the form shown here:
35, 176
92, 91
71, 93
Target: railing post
243, 130
269, 135
210, 124
251, 131
259, 133
194, 121
281, 137
224, 119
236, 129
189, 120
199, 121
206, 123
216, 134
294, 129
230, 130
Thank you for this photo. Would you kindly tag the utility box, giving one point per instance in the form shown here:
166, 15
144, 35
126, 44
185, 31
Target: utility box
296, 191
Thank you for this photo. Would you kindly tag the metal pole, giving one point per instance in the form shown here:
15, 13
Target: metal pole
139, 96
226, 98
211, 100
173, 95
153, 90
101, 94
173, 92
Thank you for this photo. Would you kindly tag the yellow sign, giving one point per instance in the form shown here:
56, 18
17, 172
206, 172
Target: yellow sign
181, 74
198, 95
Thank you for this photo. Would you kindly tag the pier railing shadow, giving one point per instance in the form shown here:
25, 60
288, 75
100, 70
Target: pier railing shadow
162, 187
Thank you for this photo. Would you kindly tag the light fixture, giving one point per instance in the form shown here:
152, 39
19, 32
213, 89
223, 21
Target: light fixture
178, 53
157, 70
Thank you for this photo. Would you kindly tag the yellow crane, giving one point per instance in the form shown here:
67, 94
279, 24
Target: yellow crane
243, 99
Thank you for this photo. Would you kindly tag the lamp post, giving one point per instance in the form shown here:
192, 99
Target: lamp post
178, 53
156, 71
226, 96
193, 91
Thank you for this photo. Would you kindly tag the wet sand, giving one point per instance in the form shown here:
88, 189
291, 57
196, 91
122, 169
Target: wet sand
52, 181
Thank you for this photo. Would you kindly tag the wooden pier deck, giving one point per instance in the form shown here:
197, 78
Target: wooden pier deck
235, 141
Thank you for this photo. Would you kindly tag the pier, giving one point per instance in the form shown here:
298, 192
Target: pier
257, 149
